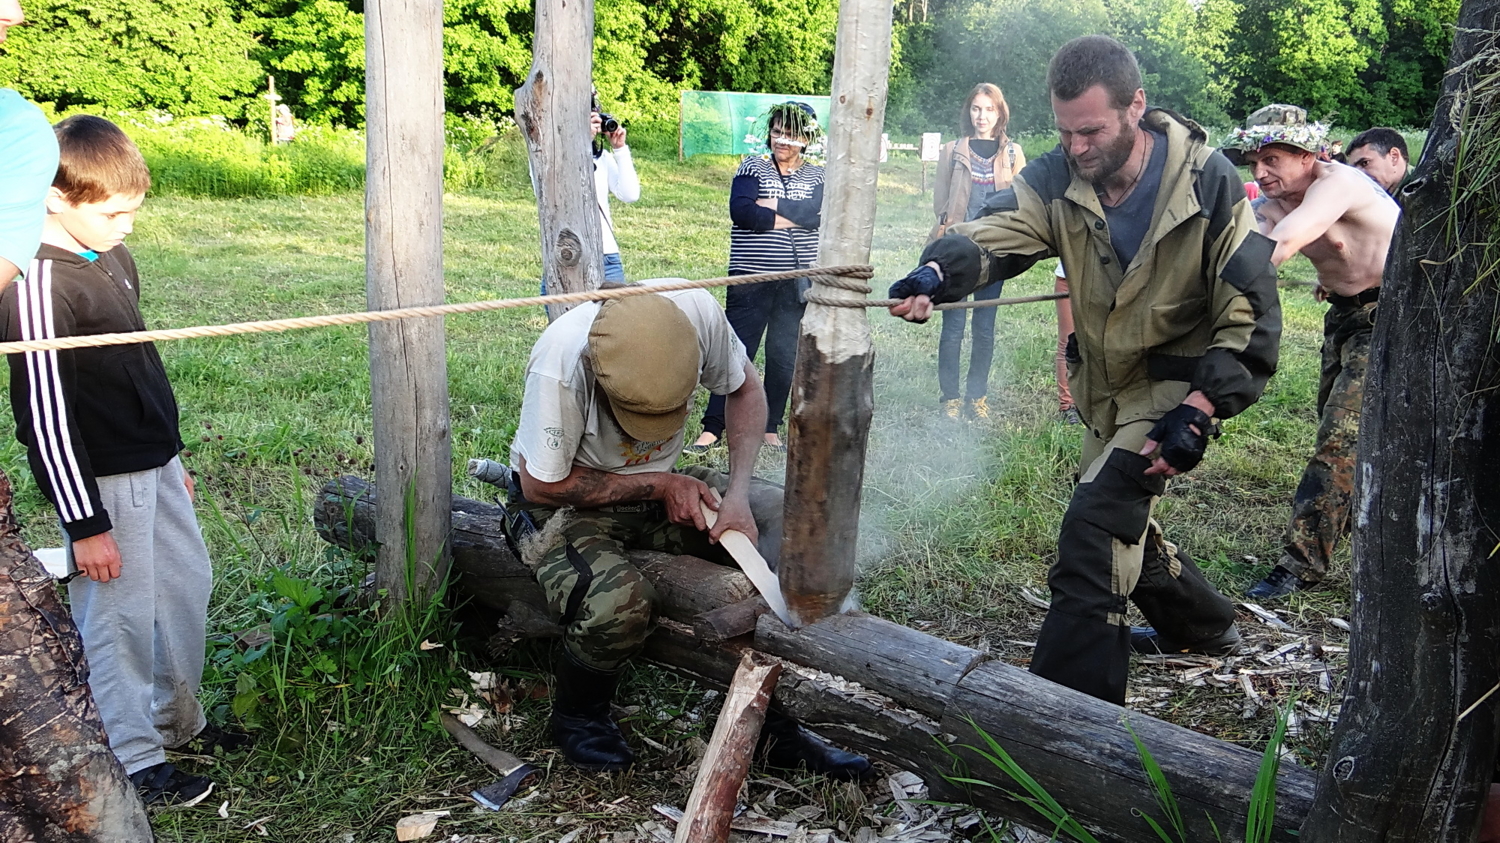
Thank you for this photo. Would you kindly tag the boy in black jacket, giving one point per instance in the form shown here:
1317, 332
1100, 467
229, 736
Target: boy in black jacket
100, 428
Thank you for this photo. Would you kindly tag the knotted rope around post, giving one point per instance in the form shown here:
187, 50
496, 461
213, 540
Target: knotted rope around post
841, 277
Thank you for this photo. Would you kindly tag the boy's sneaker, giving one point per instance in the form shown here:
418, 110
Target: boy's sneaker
165, 785
1279, 583
213, 738
953, 408
1070, 415
978, 409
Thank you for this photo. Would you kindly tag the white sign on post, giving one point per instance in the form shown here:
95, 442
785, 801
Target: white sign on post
930, 143
885, 147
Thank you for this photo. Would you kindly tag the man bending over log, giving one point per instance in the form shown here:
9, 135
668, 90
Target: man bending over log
608, 389
1342, 220
1176, 324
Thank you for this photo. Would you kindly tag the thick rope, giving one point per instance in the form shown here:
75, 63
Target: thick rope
840, 277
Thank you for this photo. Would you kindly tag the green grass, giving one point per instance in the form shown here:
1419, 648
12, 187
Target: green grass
957, 518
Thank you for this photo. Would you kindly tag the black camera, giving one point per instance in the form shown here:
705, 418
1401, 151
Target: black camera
608, 124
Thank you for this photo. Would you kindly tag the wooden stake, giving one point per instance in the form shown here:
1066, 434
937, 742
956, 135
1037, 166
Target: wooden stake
710, 807
404, 267
553, 110
832, 391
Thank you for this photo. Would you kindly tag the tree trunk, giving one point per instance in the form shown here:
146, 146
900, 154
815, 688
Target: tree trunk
404, 268
832, 391
1415, 747
553, 110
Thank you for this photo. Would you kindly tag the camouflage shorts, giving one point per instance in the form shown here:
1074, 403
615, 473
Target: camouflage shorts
1320, 509
602, 601
61, 782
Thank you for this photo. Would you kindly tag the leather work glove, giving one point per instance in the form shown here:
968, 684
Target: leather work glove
1180, 446
922, 281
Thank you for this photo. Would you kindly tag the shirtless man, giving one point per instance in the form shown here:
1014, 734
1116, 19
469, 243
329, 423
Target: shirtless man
1342, 221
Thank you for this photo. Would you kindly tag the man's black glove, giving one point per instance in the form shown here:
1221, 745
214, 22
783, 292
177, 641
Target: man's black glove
922, 281
1180, 446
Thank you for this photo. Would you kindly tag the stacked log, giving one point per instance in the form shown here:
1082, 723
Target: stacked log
900, 696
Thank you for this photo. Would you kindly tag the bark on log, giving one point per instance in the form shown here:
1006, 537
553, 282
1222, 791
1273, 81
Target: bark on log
833, 386
730, 621
552, 108
916, 670
404, 268
721, 773
1410, 761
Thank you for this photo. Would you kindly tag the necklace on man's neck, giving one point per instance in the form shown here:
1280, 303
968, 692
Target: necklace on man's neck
1130, 188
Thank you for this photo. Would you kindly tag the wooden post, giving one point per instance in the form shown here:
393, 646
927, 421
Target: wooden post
553, 110
403, 268
832, 390
1415, 746
710, 807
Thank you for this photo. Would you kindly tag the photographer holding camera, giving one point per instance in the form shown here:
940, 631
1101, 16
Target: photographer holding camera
614, 172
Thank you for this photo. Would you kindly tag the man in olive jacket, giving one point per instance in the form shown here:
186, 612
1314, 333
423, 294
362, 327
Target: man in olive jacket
1178, 323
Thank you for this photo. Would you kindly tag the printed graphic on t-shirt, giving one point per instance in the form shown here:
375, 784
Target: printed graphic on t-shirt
554, 437
635, 453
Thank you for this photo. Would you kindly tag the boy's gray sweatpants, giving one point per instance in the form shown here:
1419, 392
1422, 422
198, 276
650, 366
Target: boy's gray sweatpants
144, 632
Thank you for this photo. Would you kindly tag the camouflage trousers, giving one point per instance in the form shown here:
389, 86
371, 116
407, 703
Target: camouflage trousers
602, 601
59, 781
1320, 509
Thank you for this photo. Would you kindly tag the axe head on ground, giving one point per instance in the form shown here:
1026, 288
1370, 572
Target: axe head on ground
495, 794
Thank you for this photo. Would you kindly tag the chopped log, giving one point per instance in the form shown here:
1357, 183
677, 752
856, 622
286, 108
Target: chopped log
916, 670
1077, 747
833, 388
721, 773
552, 108
404, 268
730, 621
1415, 746
490, 573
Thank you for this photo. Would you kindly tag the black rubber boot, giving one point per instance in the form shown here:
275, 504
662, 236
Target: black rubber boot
787, 746
581, 724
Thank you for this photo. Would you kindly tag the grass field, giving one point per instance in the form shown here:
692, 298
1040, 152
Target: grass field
958, 518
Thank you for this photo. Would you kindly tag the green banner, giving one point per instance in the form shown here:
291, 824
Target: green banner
730, 123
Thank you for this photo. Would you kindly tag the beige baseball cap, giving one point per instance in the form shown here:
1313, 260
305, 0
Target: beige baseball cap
644, 352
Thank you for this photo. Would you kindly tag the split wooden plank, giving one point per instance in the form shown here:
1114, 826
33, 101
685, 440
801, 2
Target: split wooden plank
721, 773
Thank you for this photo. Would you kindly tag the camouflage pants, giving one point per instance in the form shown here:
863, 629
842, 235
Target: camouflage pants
1320, 509
602, 601
59, 781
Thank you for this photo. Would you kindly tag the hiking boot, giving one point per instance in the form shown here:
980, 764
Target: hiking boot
1279, 583
165, 785
787, 746
978, 409
1148, 642
581, 724
953, 408
212, 738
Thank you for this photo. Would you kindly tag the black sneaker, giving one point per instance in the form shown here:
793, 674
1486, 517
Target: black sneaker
1279, 583
212, 738
1148, 642
164, 785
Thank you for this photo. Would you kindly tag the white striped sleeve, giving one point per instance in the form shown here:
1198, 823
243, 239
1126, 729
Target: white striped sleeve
51, 417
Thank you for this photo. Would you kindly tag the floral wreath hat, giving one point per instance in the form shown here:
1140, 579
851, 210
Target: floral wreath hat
795, 117
1283, 124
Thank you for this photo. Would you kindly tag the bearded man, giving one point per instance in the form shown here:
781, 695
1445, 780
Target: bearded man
1177, 323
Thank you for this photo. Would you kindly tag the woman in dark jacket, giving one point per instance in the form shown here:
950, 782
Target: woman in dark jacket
775, 205
971, 168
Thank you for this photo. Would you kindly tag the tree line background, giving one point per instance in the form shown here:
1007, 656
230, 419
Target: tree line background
1358, 62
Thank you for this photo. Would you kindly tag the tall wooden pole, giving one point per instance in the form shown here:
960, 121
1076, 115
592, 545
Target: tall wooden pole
1415, 746
553, 110
404, 267
832, 389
